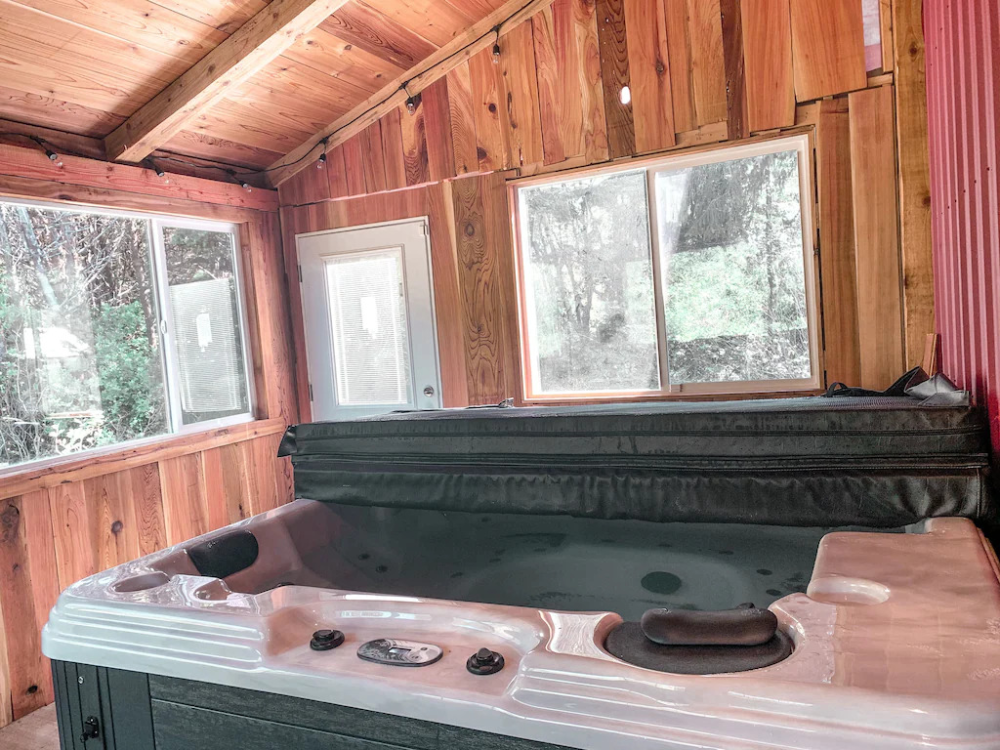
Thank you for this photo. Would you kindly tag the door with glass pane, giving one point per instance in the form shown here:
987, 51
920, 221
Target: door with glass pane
371, 342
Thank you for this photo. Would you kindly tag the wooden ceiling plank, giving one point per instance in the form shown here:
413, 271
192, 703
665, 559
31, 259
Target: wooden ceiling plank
373, 32
437, 21
328, 54
259, 41
437, 65
224, 15
192, 143
138, 21
48, 111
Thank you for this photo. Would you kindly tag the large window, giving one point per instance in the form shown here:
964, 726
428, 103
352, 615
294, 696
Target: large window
115, 327
691, 274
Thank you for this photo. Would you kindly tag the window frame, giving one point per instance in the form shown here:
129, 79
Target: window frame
165, 331
799, 142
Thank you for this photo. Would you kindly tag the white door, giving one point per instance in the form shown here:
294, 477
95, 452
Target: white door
368, 308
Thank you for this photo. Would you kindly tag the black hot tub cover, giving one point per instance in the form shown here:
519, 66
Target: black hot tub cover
873, 461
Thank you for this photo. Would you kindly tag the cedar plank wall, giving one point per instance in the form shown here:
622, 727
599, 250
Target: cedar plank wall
63, 522
701, 72
963, 96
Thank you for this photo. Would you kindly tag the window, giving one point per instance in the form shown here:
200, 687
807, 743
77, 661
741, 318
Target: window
115, 327
694, 274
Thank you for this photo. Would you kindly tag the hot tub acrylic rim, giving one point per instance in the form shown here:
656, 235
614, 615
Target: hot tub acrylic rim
82, 629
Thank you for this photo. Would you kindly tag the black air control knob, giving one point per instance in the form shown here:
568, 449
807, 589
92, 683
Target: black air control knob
485, 662
325, 640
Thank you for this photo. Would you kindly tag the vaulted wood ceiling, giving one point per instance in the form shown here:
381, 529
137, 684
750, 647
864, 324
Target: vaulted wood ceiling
86, 66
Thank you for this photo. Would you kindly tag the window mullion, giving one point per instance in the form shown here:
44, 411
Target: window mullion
167, 339
658, 297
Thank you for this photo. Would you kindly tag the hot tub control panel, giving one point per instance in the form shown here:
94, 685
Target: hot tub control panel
400, 653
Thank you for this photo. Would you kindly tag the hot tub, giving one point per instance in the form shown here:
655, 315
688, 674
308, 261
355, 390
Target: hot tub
350, 623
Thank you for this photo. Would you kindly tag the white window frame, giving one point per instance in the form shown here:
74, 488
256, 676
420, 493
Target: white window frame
651, 166
171, 367
168, 351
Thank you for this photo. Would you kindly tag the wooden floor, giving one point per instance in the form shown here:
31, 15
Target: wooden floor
36, 731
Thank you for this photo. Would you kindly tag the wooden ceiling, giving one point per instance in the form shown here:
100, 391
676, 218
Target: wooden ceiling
86, 66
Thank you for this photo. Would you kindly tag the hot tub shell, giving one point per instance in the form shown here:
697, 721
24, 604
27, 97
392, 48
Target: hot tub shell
897, 642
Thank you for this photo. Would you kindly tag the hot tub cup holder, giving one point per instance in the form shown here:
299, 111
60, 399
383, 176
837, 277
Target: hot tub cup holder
846, 590
141, 582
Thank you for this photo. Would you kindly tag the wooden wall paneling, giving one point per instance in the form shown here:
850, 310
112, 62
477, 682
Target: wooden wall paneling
112, 520
873, 174
265, 470
290, 226
371, 140
649, 67
767, 50
520, 116
914, 174
708, 56
6, 691
75, 555
392, 150
307, 186
267, 298
492, 138
828, 48
73, 469
336, 172
570, 89
551, 94
612, 35
697, 62
462, 120
427, 201
837, 256
30, 162
143, 484
437, 125
185, 502
414, 140
737, 115
480, 287
887, 33
228, 489
499, 229
26, 564
595, 123
448, 309
354, 166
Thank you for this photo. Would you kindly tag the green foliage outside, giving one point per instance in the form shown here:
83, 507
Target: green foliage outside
79, 357
131, 399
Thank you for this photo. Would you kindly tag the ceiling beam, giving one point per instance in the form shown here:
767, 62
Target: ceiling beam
255, 44
470, 42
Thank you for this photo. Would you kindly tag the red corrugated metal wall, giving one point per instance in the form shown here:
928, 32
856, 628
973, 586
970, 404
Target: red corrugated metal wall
963, 103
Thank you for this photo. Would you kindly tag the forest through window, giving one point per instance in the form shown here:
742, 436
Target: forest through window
692, 273
114, 327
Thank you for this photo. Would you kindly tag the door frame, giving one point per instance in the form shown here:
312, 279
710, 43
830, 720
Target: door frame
424, 223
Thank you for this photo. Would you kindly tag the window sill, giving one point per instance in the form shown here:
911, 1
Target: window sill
51, 472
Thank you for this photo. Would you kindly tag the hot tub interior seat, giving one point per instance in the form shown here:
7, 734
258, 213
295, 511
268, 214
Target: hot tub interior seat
552, 562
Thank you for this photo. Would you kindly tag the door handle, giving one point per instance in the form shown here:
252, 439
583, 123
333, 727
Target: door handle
429, 391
